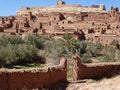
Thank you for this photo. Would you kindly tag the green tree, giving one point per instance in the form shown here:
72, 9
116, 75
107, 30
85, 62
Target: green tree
117, 55
94, 48
109, 53
67, 36
69, 41
10, 39
35, 39
25, 53
115, 43
17, 54
85, 57
7, 55
80, 46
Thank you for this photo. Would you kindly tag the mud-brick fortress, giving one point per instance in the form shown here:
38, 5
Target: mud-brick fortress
91, 23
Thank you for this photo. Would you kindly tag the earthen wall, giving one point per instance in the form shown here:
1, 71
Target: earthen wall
94, 70
18, 79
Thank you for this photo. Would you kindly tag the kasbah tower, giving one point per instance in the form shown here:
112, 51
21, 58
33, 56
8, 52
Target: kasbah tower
92, 23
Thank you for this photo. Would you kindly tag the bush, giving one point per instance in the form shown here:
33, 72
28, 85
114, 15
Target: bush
117, 57
109, 53
55, 49
94, 48
69, 43
10, 39
80, 47
7, 56
114, 42
85, 58
18, 54
25, 53
67, 36
35, 39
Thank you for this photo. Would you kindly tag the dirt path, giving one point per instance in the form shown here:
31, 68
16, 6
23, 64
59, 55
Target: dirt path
104, 84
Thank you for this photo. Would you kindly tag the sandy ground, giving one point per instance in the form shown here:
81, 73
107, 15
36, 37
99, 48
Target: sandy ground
104, 84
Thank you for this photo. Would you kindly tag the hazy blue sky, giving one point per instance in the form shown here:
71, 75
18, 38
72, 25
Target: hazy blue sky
9, 7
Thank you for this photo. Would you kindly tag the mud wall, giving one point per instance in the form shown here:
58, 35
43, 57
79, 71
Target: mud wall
94, 70
18, 79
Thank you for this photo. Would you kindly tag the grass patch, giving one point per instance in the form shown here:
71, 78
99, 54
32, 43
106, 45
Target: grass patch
27, 66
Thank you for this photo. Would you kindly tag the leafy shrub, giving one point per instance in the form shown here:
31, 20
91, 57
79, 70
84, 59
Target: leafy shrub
25, 53
10, 39
80, 46
18, 54
117, 57
85, 57
35, 39
94, 48
109, 53
55, 49
7, 56
69, 43
67, 36
114, 42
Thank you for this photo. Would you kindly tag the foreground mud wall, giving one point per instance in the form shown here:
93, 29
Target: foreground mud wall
3, 80
14, 79
94, 70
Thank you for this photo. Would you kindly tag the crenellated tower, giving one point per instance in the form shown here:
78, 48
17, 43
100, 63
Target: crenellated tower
60, 2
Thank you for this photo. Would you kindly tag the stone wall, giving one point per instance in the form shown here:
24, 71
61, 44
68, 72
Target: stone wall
18, 79
94, 70
63, 8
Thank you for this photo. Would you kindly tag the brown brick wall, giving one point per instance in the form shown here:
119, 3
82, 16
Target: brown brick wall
3, 80
14, 79
94, 70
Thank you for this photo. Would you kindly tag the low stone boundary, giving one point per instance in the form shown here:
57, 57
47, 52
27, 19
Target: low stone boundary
94, 70
18, 79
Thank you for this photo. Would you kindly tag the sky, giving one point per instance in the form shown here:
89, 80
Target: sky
9, 7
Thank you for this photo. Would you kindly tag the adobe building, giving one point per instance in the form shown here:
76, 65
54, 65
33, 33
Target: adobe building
91, 23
